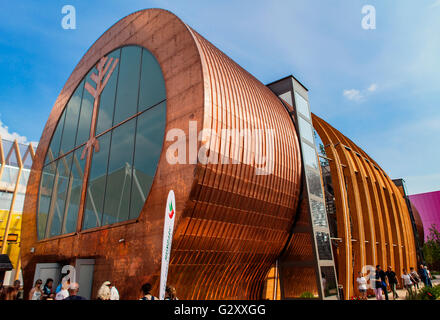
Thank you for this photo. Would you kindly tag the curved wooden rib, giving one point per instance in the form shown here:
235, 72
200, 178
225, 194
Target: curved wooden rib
381, 229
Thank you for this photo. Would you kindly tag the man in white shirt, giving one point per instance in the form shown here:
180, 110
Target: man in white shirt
64, 292
362, 285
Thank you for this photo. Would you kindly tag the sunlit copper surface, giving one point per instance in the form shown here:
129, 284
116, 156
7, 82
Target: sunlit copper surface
231, 224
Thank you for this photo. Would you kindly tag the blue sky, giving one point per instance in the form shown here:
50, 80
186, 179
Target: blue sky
379, 87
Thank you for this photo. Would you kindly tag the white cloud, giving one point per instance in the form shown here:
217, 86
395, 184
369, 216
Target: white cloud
372, 88
359, 95
7, 135
353, 94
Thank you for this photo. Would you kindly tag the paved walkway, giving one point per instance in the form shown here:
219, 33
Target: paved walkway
402, 292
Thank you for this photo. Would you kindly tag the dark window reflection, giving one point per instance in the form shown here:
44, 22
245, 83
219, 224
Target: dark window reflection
46, 187
117, 194
71, 122
323, 243
128, 84
96, 185
149, 139
54, 147
73, 196
314, 182
329, 283
152, 84
85, 117
107, 99
318, 213
122, 171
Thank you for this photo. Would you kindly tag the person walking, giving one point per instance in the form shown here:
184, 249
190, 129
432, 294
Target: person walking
36, 292
383, 280
362, 285
170, 293
428, 276
73, 292
408, 283
377, 284
104, 291
423, 275
392, 281
415, 278
146, 290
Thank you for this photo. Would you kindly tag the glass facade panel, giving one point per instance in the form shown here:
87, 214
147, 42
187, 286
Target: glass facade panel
318, 213
47, 179
24, 177
54, 147
10, 174
19, 202
309, 155
96, 184
74, 193
71, 121
314, 183
60, 186
128, 84
107, 99
306, 129
152, 90
302, 106
85, 116
135, 85
149, 140
323, 243
5, 200
329, 281
117, 193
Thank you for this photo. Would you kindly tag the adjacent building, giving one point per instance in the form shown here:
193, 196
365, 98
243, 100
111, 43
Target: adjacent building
15, 164
428, 207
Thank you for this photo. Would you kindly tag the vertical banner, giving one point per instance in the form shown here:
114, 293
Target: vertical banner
170, 214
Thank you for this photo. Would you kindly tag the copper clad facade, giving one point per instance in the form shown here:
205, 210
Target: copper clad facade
231, 224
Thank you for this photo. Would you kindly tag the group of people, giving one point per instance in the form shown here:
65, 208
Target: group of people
69, 291
382, 280
170, 293
14, 292
64, 291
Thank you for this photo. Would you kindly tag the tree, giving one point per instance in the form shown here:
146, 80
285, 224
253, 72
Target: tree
431, 248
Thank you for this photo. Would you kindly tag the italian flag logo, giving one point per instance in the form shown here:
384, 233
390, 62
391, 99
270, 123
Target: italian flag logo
171, 209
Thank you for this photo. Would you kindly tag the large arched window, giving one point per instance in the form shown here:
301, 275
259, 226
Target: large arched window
115, 122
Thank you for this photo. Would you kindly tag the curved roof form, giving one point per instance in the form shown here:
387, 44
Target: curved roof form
372, 216
231, 223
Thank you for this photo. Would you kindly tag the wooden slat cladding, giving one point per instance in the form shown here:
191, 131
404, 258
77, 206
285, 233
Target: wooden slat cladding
381, 230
